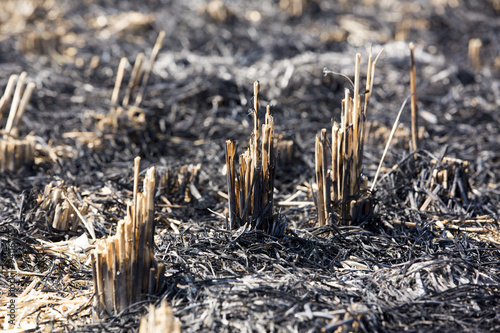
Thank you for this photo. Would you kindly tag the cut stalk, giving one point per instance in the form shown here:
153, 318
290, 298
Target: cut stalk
160, 320
474, 51
134, 78
15, 102
414, 105
124, 115
7, 94
118, 81
152, 58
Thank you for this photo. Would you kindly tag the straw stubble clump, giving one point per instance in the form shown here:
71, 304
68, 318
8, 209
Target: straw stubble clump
179, 184
160, 320
124, 268
251, 178
15, 152
128, 113
61, 207
341, 194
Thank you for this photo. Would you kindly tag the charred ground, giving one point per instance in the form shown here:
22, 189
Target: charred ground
395, 271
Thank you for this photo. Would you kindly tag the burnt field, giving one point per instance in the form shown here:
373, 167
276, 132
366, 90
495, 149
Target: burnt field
90, 85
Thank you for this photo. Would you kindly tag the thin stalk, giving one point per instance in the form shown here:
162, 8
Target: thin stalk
15, 102
414, 105
4, 101
396, 122
152, 58
135, 77
118, 82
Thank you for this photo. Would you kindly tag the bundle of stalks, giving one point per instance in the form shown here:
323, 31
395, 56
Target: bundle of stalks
341, 193
482, 228
41, 42
251, 184
180, 184
123, 266
217, 10
15, 152
125, 114
449, 180
295, 8
63, 208
285, 150
160, 320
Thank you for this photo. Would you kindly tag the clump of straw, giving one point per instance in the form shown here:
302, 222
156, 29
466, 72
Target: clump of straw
128, 113
179, 185
341, 191
15, 152
123, 266
251, 183
160, 320
63, 208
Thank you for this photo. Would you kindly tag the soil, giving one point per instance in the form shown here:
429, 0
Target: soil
404, 268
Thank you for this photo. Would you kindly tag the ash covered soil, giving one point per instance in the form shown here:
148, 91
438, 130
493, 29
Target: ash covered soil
403, 269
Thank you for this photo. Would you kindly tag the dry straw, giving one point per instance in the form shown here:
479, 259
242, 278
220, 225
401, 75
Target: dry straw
250, 178
446, 183
285, 149
414, 104
15, 152
341, 187
474, 52
124, 114
63, 208
180, 184
160, 320
294, 8
123, 266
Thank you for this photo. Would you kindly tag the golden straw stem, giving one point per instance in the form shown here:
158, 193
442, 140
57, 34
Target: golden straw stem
474, 51
255, 153
327, 188
134, 78
15, 102
319, 180
356, 100
22, 107
335, 143
230, 154
118, 82
256, 86
137, 165
4, 101
154, 53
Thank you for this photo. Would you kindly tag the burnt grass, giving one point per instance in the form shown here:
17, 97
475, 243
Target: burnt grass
394, 271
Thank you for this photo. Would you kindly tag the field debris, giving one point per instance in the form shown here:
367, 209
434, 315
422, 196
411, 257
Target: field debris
15, 152
123, 266
413, 247
342, 195
159, 320
62, 208
251, 182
